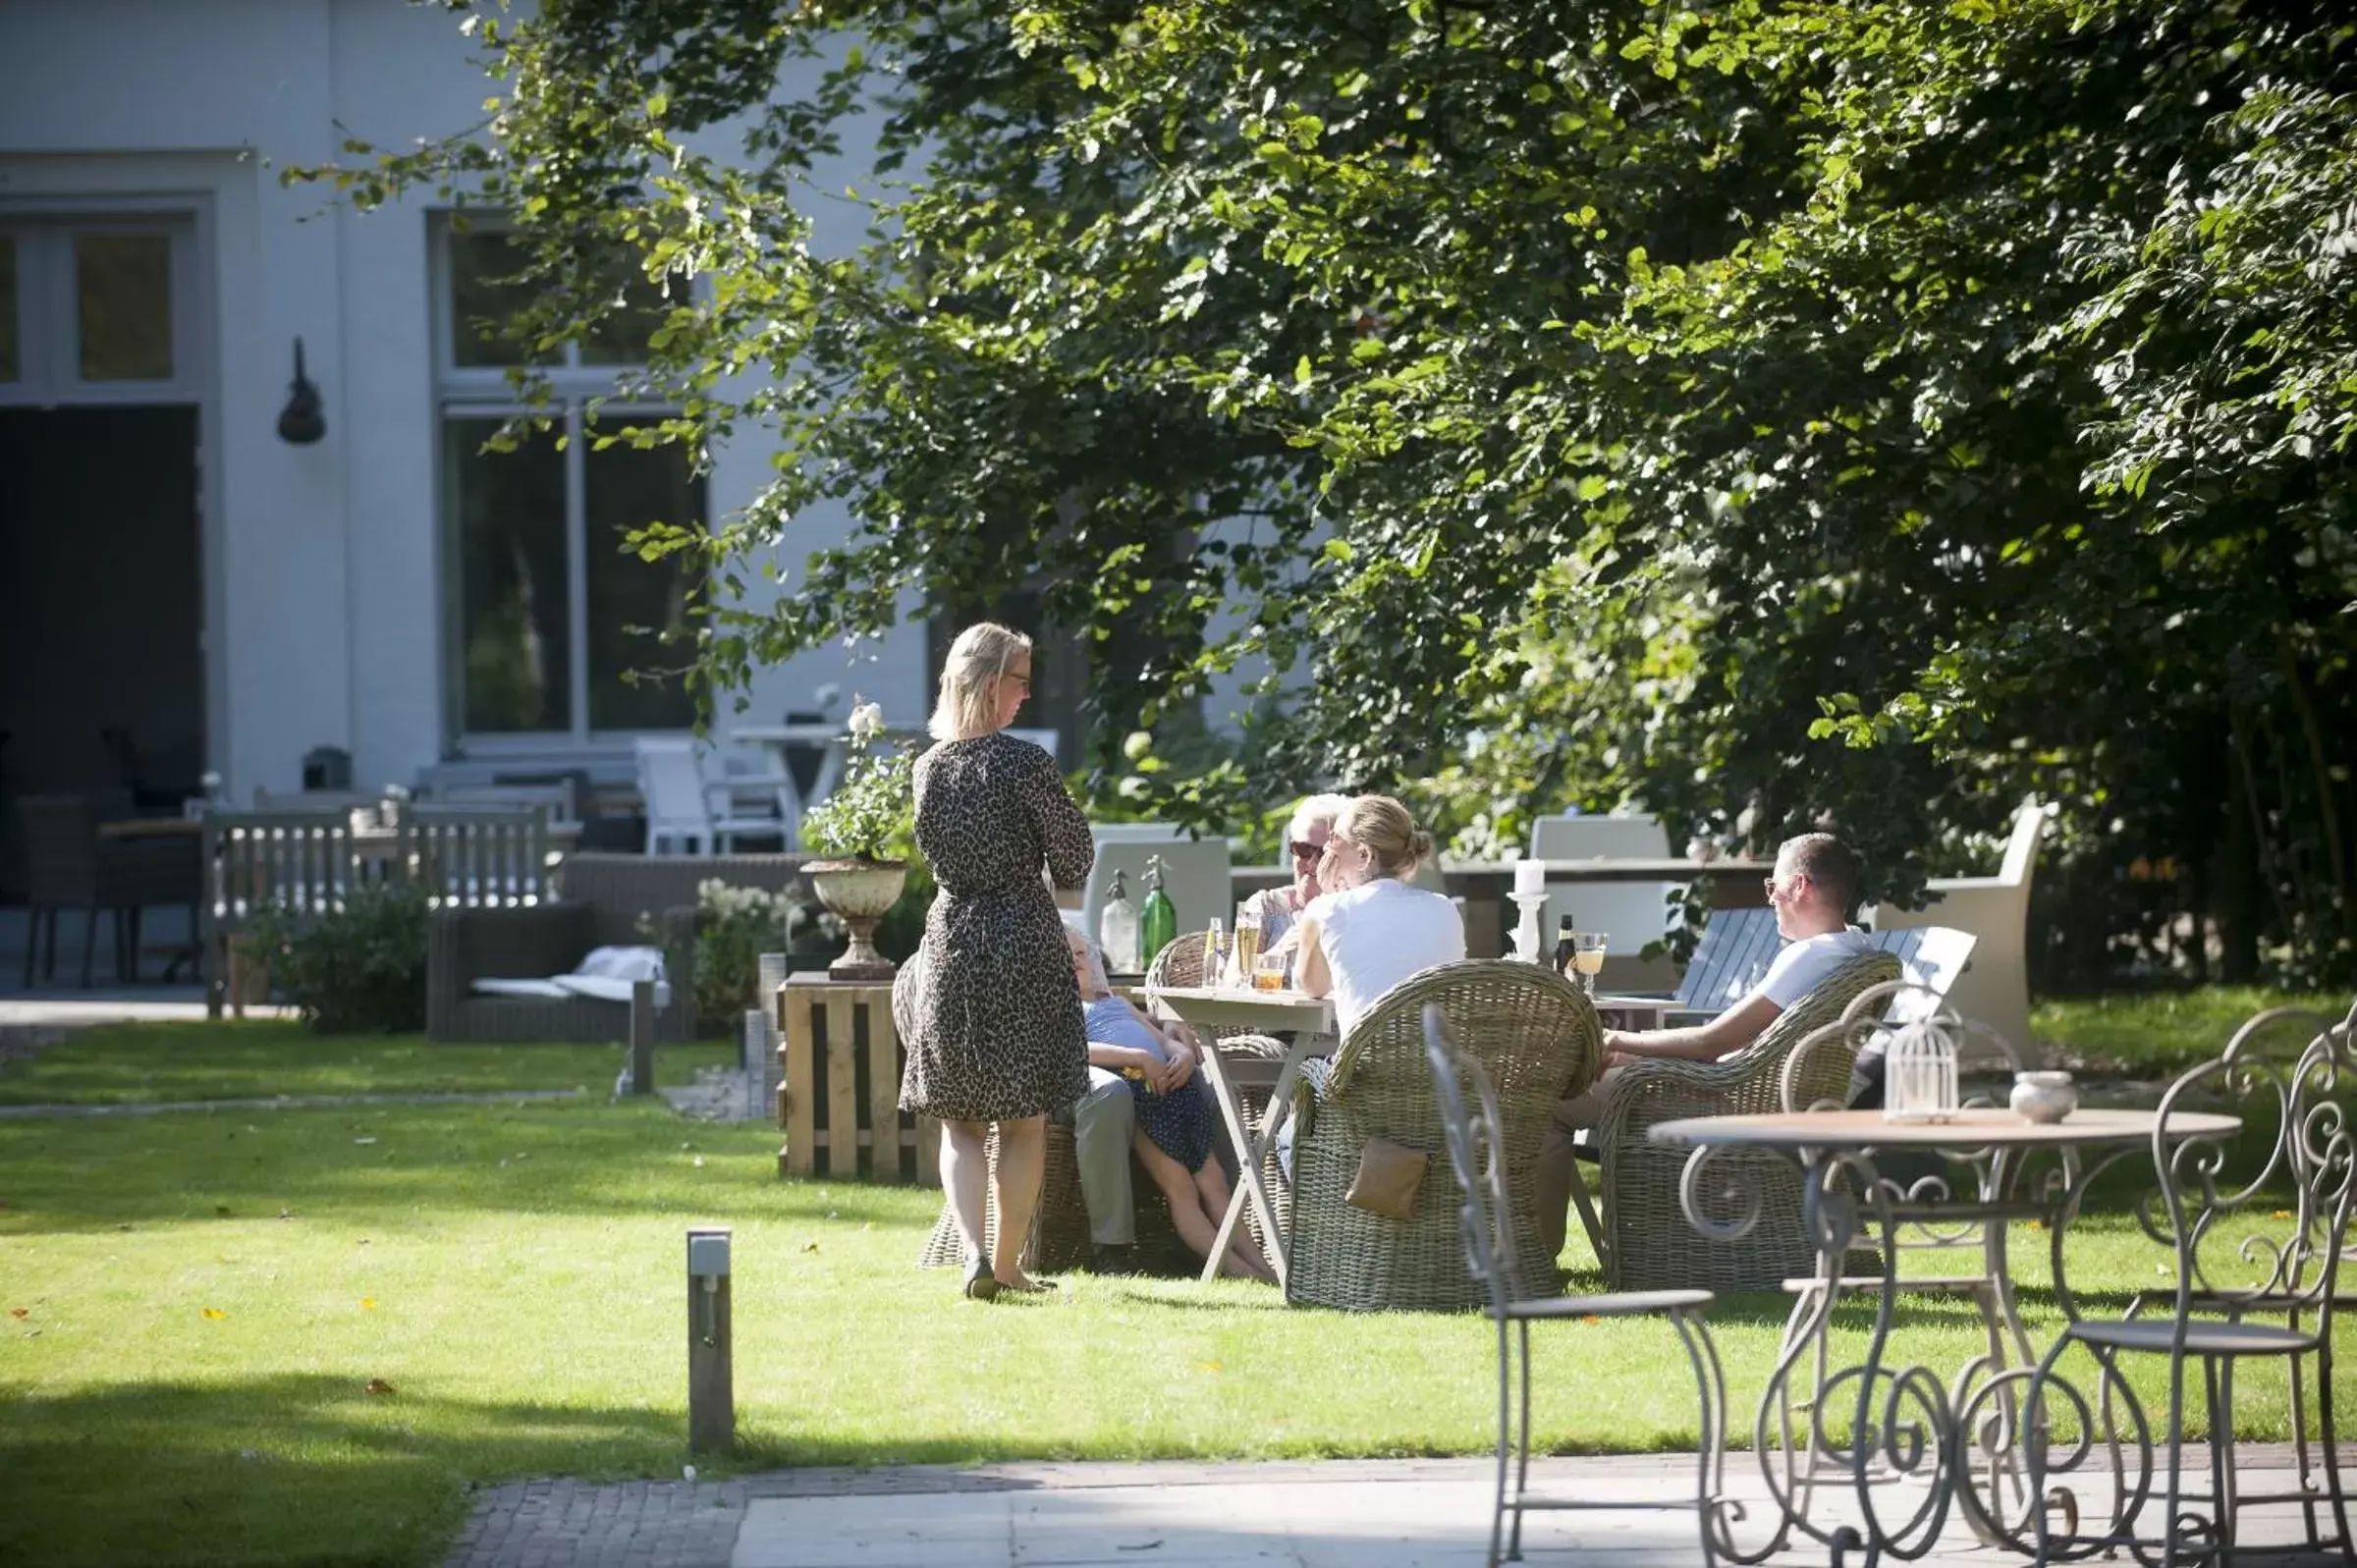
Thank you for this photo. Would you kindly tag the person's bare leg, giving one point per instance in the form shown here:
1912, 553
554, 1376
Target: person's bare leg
1243, 1258
1023, 1160
1179, 1190
965, 1171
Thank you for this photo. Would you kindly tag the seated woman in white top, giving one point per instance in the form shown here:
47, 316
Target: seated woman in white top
1369, 930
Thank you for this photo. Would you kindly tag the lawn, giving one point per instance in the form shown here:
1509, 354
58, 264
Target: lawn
2159, 1034
127, 1064
300, 1335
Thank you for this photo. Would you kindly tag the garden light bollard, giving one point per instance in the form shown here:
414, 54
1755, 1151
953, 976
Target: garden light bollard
642, 1036
711, 1395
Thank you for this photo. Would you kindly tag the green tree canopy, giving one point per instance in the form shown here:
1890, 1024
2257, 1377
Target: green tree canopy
1784, 414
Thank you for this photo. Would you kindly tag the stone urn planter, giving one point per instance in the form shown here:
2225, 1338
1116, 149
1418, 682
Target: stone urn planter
858, 892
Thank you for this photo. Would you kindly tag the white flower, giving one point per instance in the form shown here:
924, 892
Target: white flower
868, 721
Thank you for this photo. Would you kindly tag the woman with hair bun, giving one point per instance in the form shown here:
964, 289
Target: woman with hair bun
1370, 929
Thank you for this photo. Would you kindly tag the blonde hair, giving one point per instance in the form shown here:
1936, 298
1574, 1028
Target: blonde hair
1312, 810
1382, 827
966, 707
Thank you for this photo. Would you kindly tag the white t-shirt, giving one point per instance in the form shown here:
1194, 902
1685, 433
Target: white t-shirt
1804, 965
1376, 934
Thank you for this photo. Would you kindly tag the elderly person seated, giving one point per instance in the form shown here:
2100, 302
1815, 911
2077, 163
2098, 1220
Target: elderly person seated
1278, 909
1370, 929
1171, 1117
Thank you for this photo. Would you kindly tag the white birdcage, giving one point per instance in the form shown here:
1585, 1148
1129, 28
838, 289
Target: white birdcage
1919, 1073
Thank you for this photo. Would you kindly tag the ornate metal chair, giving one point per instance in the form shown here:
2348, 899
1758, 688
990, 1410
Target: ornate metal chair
1537, 1038
1476, 1154
1647, 1241
2247, 1253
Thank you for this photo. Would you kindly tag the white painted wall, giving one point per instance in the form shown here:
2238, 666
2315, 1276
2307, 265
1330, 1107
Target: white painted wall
322, 561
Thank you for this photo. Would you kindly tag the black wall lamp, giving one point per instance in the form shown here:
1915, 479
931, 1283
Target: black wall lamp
300, 422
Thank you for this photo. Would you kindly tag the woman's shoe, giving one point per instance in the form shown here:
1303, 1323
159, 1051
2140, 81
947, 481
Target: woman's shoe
981, 1283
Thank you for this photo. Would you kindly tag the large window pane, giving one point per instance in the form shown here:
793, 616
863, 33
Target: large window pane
627, 490
482, 299
123, 288
622, 338
8, 309
514, 630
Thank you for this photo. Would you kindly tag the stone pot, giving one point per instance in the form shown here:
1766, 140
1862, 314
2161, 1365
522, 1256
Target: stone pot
2043, 1096
858, 892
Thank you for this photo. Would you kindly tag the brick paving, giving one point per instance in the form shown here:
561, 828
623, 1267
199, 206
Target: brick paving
579, 1524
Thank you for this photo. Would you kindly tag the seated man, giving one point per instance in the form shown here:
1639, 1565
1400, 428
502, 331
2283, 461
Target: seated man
1104, 1123
1813, 891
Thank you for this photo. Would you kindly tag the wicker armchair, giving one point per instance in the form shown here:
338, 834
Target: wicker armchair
463, 946
1060, 1230
1648, 1243
1537, 1038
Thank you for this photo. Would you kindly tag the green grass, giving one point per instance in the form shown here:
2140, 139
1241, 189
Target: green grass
127, 1063
208, 1297
2159, 1034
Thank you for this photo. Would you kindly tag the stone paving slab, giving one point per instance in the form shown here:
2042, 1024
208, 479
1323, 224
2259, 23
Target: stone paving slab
1426, 1513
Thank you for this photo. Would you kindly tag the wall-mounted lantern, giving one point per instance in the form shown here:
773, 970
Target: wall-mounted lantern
302, 421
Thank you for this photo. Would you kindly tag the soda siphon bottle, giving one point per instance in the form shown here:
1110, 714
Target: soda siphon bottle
1158, 921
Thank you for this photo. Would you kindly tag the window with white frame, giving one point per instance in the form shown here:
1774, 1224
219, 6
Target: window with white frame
545, 614
97, 309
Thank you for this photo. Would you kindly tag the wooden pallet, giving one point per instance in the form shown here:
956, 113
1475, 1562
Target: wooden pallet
833, 1035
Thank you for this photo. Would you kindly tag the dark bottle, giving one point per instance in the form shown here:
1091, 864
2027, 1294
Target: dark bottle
1563, 947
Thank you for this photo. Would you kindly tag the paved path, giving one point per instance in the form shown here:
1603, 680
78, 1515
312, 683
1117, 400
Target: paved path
157, 1108
1430, 1513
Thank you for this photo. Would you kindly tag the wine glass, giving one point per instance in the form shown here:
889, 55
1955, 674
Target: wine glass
1587, 959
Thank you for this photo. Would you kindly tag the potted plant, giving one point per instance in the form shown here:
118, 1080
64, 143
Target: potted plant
865, 832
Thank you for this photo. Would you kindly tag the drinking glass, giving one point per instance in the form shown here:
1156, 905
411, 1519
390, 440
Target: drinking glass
1587, 958
1269, 972
1248, 950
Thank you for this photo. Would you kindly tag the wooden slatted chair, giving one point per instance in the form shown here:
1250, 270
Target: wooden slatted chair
477, 858
305, 862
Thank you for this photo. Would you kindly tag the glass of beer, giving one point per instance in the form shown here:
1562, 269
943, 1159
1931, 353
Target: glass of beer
1267, 973
1247, 949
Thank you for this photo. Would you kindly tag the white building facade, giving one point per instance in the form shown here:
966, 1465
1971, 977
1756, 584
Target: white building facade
182, 589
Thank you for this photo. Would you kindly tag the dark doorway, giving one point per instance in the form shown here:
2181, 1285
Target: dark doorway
101, 607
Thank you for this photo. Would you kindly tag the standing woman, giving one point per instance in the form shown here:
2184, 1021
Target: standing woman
999, 1037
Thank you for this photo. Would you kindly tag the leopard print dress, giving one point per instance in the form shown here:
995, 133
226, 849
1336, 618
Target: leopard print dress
997, 1013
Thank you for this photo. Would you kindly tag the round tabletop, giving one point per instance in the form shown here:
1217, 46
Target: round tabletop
1970, 1129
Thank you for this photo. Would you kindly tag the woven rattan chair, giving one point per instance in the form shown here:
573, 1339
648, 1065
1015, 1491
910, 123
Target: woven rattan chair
1536, 1037
1648, 1242
1491, 1259
1060, 1230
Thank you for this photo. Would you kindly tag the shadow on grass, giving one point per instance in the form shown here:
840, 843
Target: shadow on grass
285, 1467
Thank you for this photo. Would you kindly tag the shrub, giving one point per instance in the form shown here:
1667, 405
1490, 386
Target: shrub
871, 814
733, 927
356, 970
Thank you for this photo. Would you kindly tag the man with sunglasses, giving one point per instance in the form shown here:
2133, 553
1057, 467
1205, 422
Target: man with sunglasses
1813, 889
1305, 836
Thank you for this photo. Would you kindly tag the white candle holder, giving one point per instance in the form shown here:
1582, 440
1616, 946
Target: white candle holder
1526, 929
